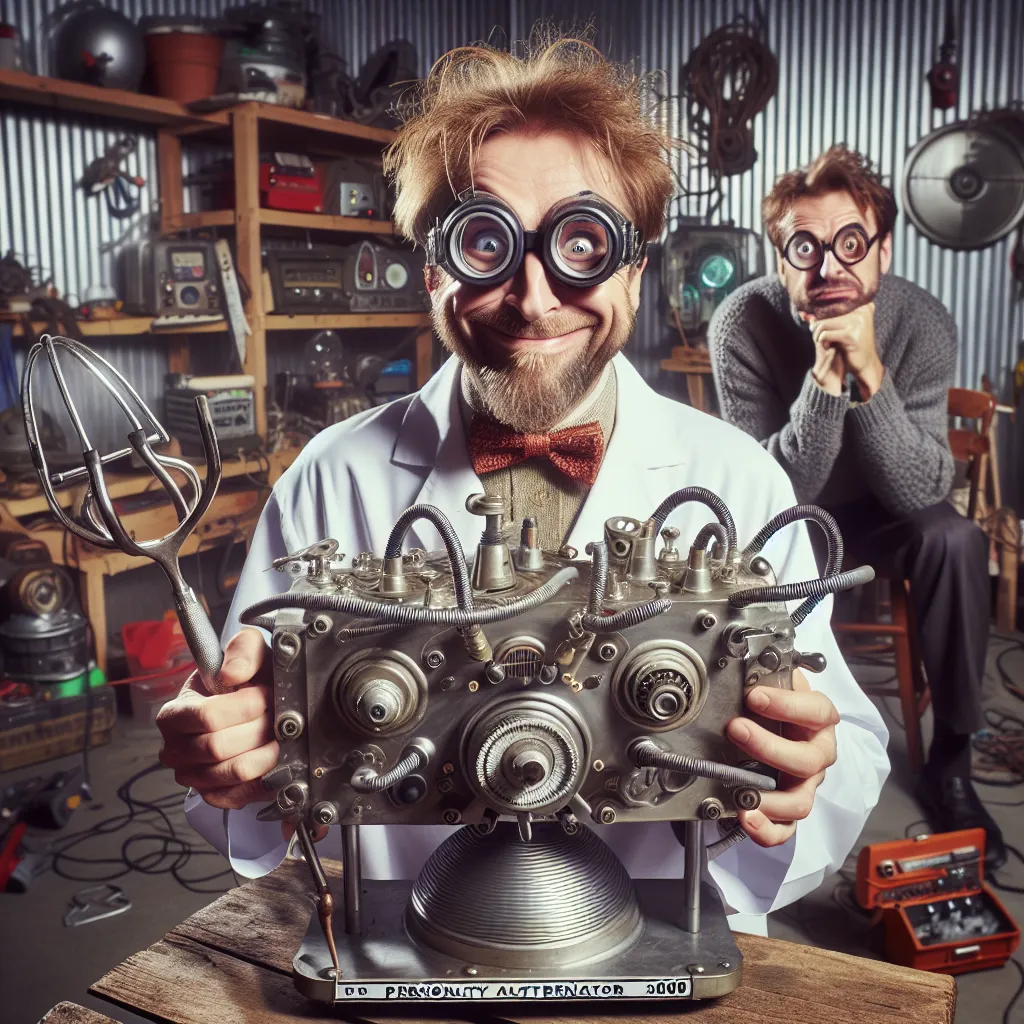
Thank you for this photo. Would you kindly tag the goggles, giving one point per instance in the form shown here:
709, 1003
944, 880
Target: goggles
481, 241
850, 245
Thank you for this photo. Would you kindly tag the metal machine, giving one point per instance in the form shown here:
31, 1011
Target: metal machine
523, 695
169, 277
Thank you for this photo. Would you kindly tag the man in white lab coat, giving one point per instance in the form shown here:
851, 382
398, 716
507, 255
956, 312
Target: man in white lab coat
534, 212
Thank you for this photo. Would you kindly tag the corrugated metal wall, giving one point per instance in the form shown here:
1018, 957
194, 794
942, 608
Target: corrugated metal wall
850, 70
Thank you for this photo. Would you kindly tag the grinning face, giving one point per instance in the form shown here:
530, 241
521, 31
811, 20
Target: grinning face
534, 347
832, 289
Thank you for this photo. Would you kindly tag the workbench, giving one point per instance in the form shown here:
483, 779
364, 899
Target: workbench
232, 510
232, 962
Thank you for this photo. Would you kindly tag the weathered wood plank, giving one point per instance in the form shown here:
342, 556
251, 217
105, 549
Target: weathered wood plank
236, 954
72, 1013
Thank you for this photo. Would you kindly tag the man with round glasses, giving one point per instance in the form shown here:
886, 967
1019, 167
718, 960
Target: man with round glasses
533, 184
841, 370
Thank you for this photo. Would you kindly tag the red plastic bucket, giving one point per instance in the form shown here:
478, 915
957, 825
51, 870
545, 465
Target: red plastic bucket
185, 65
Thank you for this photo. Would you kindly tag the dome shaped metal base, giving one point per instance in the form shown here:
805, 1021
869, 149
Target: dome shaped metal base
494, 899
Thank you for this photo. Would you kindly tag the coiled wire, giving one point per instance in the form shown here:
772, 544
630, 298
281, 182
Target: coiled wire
363, 781
456, 556
412, 615
701, 494
646, 754
712, 530
594, 621
818, 589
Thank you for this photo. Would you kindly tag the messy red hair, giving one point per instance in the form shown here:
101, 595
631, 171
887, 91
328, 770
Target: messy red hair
838, 169
561, 84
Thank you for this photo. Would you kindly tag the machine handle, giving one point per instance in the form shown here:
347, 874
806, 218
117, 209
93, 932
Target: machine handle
202, 641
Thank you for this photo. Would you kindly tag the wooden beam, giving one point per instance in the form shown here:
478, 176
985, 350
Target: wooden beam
321, 321
245, 130
172, 189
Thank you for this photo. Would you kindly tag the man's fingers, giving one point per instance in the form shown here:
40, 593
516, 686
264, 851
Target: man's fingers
810, 709
245, 658
211, 747
191, 713
799, 758
247, 767
763, 831
791, 804
235, 797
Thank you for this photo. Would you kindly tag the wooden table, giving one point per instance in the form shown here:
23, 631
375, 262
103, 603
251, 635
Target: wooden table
231, 962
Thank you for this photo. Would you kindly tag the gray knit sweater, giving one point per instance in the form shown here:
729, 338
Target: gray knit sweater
834, 450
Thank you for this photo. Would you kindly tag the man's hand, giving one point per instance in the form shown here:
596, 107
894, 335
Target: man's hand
223, 745
806, 748
853, 337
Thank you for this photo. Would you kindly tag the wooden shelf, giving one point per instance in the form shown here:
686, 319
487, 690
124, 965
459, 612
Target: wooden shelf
298, 122
325, 222
40, 91
321, 321
124, 485
130, 326
285, 219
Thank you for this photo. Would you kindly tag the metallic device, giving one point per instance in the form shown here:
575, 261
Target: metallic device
704, 263
521, 695
364, 278
232, 408
169, 277
963, 184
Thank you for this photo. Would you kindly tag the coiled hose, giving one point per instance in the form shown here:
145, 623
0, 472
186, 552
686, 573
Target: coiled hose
410, 615
702, 494
646, 754
712, 530
808, 588
594, 621
456, 556
810, 513
366, 780
731, 838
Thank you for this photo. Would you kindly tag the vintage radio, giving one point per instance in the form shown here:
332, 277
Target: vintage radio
232, 407
939, 914
364, 278
169, 277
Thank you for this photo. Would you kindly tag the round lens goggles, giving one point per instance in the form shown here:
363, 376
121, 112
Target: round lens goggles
850, 245
481, 241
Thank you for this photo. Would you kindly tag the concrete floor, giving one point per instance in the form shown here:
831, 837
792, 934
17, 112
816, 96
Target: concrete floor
42, 962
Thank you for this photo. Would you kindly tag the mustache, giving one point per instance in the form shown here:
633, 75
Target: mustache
510, 322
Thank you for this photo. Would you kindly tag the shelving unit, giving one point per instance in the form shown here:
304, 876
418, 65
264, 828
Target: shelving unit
250, 128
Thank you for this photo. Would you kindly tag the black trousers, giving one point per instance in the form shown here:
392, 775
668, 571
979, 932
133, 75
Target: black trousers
945, 557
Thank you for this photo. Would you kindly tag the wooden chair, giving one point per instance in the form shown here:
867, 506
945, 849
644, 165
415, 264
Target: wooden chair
969, 445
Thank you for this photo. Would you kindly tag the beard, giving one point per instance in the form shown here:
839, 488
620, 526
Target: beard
527, 389
824, 309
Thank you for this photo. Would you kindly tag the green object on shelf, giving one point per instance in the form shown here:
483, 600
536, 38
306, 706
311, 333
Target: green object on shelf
76, 687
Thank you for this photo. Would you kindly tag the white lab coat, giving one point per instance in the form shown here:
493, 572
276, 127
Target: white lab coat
353, 480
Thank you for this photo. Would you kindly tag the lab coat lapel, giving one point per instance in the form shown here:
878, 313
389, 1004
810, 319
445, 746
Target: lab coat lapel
637, 471
433, 435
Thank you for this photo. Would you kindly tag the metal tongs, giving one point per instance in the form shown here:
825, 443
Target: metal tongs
100, 524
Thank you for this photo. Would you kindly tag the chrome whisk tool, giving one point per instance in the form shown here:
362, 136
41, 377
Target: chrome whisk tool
98, 521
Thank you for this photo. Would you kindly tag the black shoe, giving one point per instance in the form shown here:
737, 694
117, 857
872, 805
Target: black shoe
951, 805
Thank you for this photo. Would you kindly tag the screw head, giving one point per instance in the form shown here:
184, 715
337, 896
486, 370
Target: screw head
711, 809
318, 773
473, 686
607, 651
746, 798
708, 622
447, 683
324, 813
471, 971
444, 785
723, 662
607, 815
434, 659
724, 964
598, 765
448, 768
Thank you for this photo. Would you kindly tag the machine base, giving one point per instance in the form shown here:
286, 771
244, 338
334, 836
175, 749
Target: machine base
384, 965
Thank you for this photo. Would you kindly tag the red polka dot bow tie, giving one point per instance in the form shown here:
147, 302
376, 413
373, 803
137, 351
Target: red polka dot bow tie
576, 451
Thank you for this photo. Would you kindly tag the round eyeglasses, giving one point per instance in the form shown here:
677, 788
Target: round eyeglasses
850, 245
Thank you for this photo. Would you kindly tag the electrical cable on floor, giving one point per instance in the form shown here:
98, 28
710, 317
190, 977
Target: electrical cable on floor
169, 853
1016, 995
